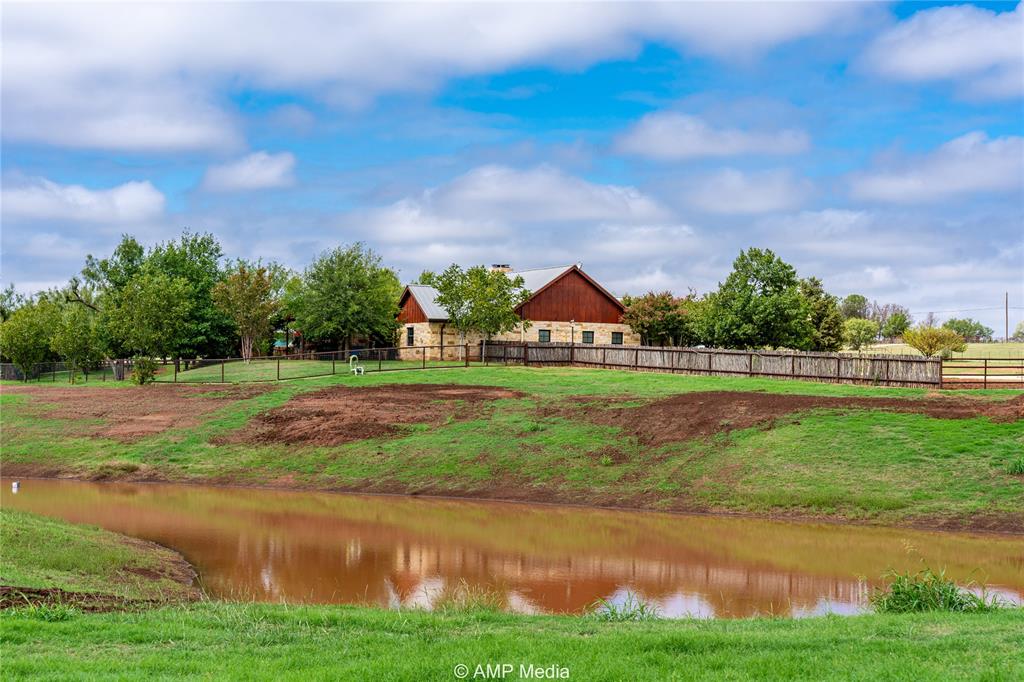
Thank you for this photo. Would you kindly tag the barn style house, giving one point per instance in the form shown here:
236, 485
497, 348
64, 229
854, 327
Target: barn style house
565, 305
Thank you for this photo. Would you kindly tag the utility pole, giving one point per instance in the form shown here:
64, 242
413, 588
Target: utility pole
1006, 310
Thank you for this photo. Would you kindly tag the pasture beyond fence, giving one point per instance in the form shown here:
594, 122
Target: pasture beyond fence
880, 369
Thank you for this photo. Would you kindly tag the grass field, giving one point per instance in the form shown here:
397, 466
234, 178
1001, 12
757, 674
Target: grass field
864, 465
40, 552
1011, 349
223, 640
271, 370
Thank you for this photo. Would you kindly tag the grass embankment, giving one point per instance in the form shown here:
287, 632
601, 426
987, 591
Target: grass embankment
265, 641
89, 565
859, 464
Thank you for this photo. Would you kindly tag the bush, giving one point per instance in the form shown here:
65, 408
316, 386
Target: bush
631, 609
927, 590
935, 341
143, 370
858, 332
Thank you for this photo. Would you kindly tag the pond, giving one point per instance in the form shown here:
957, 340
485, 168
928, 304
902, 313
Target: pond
272, 545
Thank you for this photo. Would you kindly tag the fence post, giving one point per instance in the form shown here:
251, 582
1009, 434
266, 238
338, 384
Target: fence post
526, 355
887, 379
467, 352
792, 365
750, 364
572, 353
838, 372
636, 359
222, 371
53, 371
504, 354
279, 369
380, 361
334, 360
985, 375
175, 372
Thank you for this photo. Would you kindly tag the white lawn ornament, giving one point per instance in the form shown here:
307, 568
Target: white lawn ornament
354, 367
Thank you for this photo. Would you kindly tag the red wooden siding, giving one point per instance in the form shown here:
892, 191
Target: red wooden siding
572, 297
410, 311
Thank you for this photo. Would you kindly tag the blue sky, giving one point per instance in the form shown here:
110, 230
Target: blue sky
877, 146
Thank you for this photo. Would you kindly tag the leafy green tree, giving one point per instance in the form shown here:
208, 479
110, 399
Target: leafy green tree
853, 306
479, 299
247, 297
662, 318
75, 337
932, 341
346, 293
10, 300
826, 320
858, 332
971, 330
759, 305
1018, 333
151, 314
25, 335
196, 258
896, 324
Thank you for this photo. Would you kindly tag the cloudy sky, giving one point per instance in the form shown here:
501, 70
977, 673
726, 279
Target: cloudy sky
877, 146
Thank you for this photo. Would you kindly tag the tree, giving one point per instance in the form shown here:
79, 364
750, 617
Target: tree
934, 340
247, 297
971, 330
858, 332
25, 335
897, 323
853, 306
758, 305
1018, 333
479, 299
151, 314
345, 293
826, 320
10, 300
196, 258
661, 319
75, 337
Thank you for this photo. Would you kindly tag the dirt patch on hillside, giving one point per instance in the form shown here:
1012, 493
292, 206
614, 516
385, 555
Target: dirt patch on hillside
131, 413
341, 415
696, 415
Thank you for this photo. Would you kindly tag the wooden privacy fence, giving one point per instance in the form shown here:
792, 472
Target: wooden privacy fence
883, 370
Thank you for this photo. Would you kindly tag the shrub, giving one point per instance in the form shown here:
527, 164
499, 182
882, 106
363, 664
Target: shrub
1016, 467
927, 590
143, 370
631, 609
934, 341
858, 332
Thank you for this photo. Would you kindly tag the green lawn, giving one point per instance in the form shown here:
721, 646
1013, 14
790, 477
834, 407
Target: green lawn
872, 466
222, 640
42, 552
272, 370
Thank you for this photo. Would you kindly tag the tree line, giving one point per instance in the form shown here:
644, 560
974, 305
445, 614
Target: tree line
763, 303
184, 299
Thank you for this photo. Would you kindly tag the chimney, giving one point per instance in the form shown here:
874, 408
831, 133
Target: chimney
501, 267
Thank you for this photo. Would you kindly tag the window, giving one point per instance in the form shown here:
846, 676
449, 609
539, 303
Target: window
409, 335
544, 335
617, 338
588, 337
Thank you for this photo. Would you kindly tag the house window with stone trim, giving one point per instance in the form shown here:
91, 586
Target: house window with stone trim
617, 338
544, 335
588, 337
410, 335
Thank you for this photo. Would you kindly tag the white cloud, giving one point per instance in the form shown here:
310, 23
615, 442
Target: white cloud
672, 136
731, 191
143, 76
43, 199
968, 164
258, 170
982, 49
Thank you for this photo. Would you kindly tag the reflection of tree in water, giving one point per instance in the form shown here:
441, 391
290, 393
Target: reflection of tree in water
312, 547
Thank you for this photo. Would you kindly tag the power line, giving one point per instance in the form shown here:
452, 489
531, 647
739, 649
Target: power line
963, 310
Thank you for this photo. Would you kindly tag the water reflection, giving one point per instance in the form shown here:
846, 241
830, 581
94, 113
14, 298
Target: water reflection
396, 551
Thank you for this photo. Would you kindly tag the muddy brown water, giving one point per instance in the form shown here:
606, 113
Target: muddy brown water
313, 547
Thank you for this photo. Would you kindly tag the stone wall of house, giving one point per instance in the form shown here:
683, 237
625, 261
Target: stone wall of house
429, 334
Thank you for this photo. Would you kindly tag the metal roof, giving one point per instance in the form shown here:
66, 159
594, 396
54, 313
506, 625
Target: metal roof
533, 281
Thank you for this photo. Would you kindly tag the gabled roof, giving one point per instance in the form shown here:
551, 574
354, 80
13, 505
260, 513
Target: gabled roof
426, 297
534, 281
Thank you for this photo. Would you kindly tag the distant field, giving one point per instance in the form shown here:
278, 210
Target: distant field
1012, 349
268, 370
